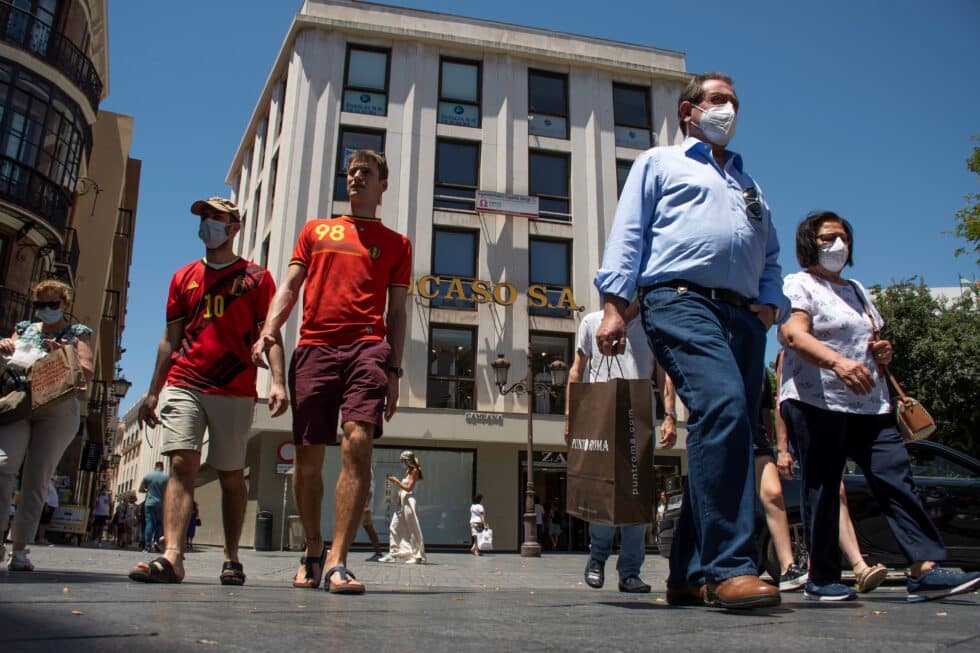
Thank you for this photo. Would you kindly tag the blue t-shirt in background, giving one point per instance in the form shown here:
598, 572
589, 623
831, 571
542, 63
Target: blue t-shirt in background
155, 483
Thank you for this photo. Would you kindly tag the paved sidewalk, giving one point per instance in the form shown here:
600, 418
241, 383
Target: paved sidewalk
80, 598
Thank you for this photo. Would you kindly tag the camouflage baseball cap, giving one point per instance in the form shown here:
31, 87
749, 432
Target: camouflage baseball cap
218, 204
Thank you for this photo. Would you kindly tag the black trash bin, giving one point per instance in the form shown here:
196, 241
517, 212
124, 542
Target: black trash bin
263, 531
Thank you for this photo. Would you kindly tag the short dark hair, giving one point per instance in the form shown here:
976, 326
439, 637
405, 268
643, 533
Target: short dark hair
159, 464
372, 157
807, 250
478, 498
694, 92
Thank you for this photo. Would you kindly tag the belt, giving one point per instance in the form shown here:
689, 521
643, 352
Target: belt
719, 294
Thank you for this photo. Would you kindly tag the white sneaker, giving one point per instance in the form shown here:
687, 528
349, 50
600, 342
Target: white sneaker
19, 561
415, 561
387, 558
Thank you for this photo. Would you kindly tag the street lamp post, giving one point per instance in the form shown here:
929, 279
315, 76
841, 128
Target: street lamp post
559, 373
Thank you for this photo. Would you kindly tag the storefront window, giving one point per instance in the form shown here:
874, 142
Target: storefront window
548, 180
547, 104
442, 496
631, 109
366, 83
550, 263
454, 257
457, 174
545, 349
459, 93
452, 361
353, 139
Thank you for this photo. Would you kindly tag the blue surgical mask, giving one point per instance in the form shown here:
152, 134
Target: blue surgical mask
49, 315
213, 233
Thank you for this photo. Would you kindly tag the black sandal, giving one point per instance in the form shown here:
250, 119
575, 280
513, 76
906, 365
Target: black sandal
164, 573
232, 573
346, 576
312, 578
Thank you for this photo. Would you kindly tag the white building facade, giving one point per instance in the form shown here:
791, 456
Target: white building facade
459, 107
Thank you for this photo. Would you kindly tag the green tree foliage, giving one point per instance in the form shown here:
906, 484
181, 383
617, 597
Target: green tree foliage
968, 218
937, 356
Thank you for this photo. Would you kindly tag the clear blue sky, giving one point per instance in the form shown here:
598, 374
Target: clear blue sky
863, 107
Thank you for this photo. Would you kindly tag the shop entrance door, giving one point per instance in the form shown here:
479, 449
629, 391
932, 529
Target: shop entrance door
559, 530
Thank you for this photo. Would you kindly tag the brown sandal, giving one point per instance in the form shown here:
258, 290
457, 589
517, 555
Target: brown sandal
871, 577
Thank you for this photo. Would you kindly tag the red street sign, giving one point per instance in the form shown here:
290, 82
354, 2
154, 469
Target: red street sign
286, 451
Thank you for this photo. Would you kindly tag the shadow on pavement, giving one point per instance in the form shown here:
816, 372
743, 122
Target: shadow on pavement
48, 576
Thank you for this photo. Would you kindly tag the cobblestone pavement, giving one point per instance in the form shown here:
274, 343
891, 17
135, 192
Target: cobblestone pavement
80, 598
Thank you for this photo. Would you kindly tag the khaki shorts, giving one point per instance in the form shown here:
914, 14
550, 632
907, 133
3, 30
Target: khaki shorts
185, 414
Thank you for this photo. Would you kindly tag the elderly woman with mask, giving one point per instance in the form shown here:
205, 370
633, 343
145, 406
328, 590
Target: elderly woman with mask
38, 441
405, 533
835, 402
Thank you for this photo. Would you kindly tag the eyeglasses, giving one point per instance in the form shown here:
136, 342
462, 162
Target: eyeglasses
54, 304
830, 238
753, 206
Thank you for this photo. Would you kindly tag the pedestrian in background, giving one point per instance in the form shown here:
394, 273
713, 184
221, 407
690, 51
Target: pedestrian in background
405, 533
478, 522
153, 485
103, 506
38, 441
367, 523
192, 527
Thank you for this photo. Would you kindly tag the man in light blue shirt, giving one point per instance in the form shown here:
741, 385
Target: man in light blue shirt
694, 236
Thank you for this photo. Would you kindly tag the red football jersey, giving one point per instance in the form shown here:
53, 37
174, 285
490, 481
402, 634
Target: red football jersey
222, 311
350, 264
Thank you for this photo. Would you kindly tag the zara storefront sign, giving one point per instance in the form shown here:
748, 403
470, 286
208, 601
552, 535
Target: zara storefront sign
431, 286
522, 205
496, 419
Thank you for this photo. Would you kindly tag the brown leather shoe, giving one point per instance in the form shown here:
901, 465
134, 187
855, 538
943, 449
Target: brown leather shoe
685, 595
742, 592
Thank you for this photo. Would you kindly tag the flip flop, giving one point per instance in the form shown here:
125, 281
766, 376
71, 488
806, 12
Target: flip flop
164, 573
346, 577
232, 573
312, 579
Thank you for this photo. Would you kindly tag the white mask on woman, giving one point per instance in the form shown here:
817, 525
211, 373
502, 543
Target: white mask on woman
834, 257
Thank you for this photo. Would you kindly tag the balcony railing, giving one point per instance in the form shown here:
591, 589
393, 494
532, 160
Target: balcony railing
29, 189
24, 29
14, 307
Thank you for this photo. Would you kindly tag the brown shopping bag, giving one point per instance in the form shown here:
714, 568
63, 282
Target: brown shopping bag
57, 374
610, 453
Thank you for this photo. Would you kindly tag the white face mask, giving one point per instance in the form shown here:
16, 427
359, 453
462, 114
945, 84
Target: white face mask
213, 233
834, 257
718, 123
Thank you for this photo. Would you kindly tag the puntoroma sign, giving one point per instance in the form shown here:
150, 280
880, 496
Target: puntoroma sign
430, 286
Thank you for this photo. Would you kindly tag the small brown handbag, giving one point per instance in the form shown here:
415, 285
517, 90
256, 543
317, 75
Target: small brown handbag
914, 421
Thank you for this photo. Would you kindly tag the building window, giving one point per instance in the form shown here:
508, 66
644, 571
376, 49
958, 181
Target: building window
256, 212
452, 361
545, 349
351, 140
550, 266
366, 81
264, 259
631, 111
454, 261
622, 172
547, 104
548, 180
260, 148
273, 177
457, 174
459, 93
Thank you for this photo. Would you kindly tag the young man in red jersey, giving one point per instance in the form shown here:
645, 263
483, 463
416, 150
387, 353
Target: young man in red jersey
204, 379
348, 359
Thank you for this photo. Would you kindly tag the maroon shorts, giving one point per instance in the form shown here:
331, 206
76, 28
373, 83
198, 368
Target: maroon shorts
326, 380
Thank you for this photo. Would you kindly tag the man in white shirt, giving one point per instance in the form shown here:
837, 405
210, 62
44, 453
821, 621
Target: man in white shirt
103, 504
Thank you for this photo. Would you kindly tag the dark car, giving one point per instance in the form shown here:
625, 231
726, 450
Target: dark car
947, 480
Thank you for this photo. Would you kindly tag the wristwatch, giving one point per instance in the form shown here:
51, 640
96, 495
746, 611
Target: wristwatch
397, 371
670, 413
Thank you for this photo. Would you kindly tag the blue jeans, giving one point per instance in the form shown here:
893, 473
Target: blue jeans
631, 549
154, 524
713, 352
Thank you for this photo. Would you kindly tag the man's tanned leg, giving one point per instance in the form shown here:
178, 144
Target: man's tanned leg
233, 499
178, 503
353, 486
308, 491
